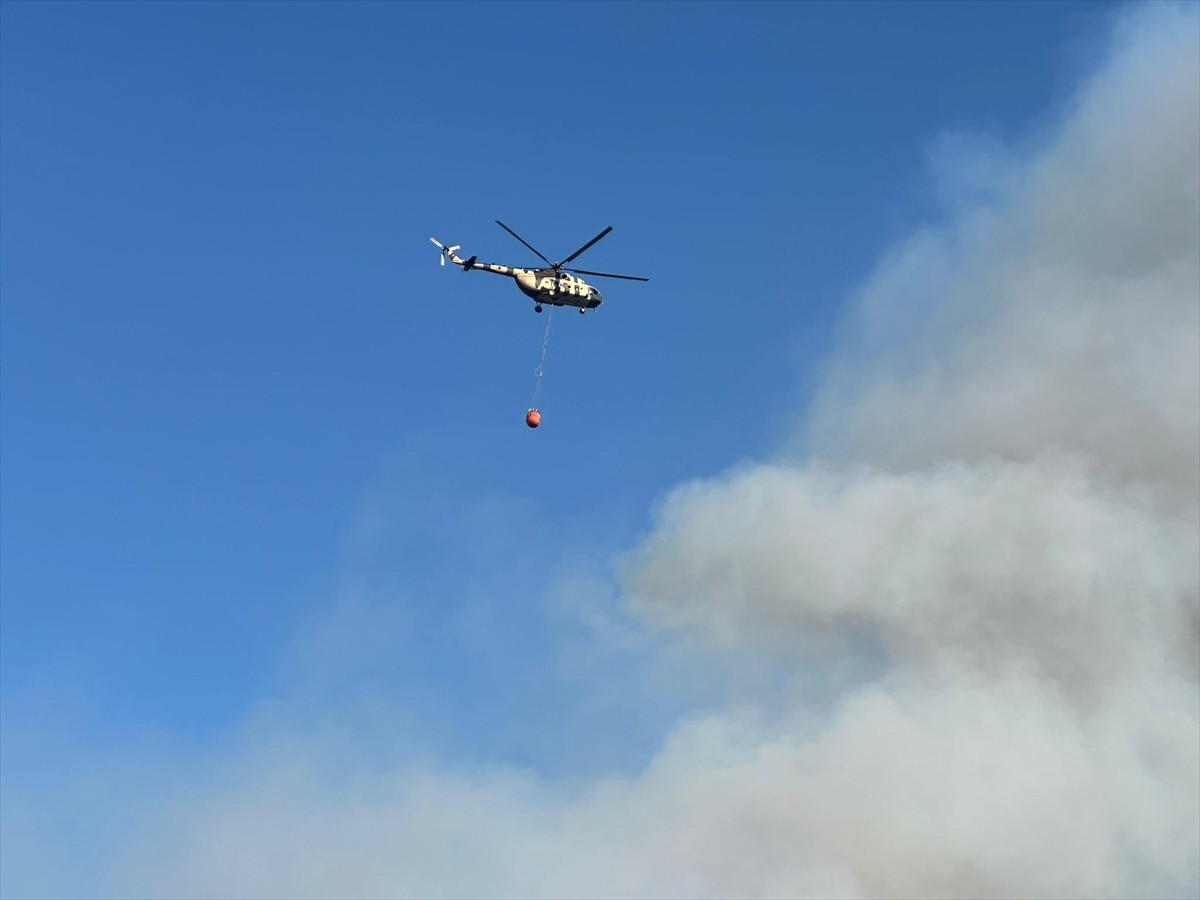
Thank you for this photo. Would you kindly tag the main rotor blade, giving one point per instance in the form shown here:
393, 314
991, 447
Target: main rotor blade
523, 241
609, 275
585, 246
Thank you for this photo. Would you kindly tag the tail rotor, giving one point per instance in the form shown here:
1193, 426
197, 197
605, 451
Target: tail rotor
444, 251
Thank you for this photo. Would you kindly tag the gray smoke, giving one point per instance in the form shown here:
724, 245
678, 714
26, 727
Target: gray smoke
998, 489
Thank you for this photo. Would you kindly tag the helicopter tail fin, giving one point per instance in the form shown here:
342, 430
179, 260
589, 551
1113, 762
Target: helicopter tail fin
445, 251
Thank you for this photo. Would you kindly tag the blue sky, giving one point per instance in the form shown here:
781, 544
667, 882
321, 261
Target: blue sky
257, 444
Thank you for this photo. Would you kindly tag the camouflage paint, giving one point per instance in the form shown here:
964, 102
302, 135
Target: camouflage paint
544, 286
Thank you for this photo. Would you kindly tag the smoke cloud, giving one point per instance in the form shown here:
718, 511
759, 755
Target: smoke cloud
1004, 502
990, 518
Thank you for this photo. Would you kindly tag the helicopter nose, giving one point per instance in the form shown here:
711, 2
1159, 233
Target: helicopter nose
597, 297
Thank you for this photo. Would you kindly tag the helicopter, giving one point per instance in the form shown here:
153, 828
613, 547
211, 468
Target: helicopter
556, 285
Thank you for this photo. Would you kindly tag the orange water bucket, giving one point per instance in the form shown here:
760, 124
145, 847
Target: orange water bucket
533, 418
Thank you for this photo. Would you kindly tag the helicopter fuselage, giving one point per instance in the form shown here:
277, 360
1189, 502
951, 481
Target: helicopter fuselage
545, 286
558, 288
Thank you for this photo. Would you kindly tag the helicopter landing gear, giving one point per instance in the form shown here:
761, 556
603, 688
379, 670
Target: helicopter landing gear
538, 308
582, 311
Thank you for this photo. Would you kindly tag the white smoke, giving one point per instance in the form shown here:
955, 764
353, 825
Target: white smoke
989, 565
995, 502
1017, 531
1062, 315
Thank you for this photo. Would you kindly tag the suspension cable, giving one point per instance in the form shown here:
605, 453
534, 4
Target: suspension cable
541, 368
